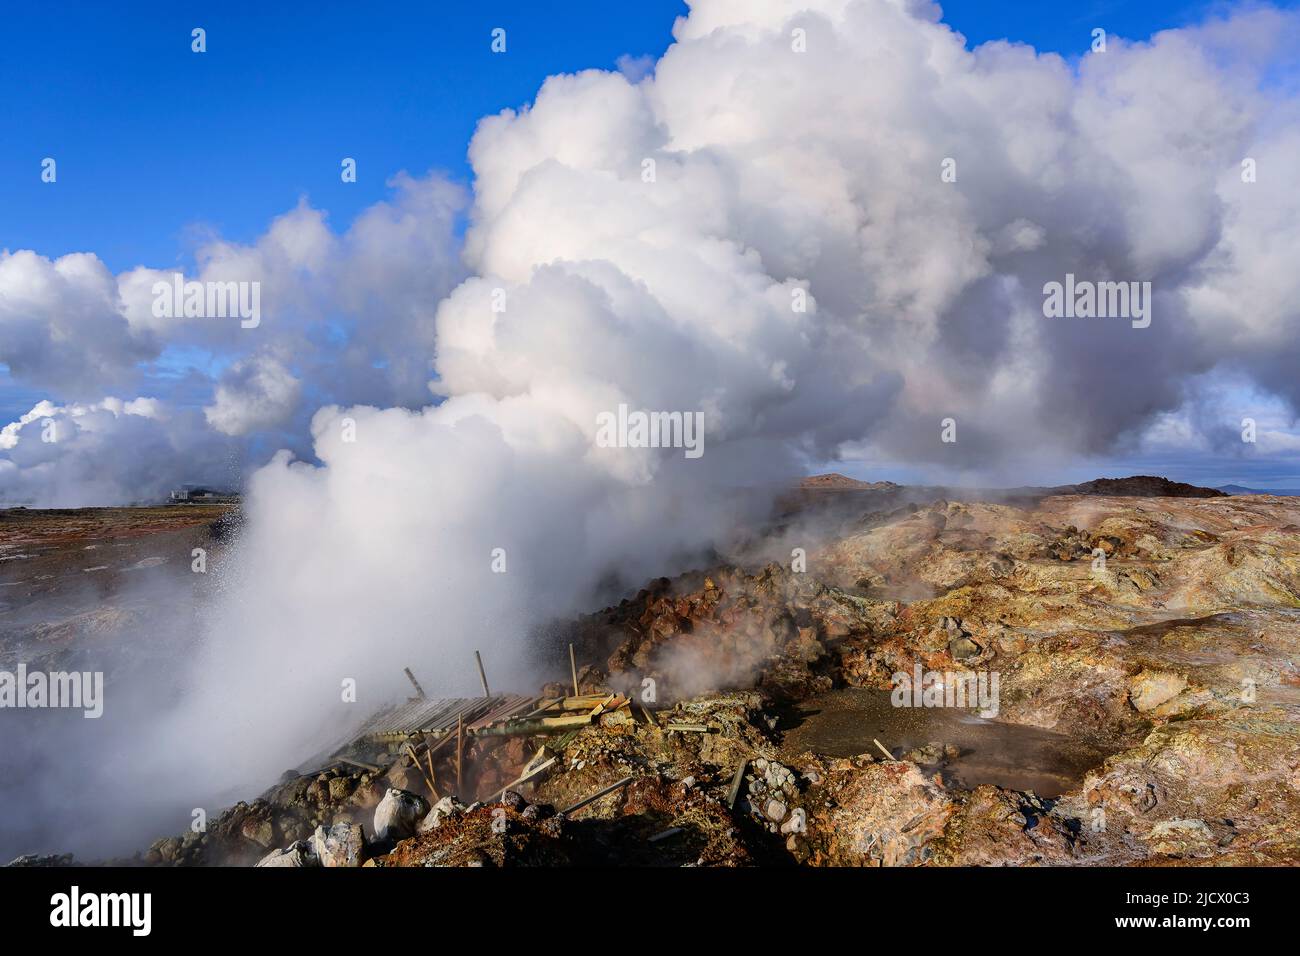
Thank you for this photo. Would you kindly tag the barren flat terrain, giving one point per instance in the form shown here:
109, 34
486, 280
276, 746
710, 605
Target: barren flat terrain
69, 575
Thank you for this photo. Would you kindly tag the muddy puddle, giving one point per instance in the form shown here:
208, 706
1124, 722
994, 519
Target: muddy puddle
844, 722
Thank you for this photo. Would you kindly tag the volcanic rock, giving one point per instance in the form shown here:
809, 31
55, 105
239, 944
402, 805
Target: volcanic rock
398, 814
297, 854
341, 845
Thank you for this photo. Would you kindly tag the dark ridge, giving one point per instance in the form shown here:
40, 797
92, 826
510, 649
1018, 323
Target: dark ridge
1140, 486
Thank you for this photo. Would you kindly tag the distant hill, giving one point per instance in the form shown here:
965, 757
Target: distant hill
1140, 486
837, 482
1134, 486
1242, 490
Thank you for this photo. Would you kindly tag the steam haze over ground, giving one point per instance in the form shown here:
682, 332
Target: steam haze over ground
642, 237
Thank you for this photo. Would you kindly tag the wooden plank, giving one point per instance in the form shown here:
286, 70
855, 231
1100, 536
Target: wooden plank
584, 702
528, 728
524, 778
558, 745
359, 763
545, 705
573, 667
605, 791
424, 716
506, 707
541, 752
733, 791
482, 675
563, 723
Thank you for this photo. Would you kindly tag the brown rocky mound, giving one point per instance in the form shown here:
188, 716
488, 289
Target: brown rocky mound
835, 481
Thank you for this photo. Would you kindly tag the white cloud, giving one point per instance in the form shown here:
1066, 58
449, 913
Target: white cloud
110, 452
254, 395
351, 315
62, 326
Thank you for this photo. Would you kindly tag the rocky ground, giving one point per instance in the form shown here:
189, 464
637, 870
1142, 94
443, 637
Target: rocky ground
1146, 650
73, 578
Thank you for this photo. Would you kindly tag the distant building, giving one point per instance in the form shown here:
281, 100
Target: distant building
201, 494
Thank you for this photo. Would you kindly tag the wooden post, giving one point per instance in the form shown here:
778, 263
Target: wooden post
481, 675
419, 691
736, 782
428, 756
573, 667
415, 759
460, 751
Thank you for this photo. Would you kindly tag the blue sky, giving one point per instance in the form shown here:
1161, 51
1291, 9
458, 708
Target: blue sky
153, 141
155, 144
158, 148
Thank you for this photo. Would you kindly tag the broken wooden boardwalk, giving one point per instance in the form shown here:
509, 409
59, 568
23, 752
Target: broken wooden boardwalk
503, 715
422, 716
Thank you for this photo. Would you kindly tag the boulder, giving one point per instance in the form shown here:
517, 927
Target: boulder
444, 809
342, 844
398, 814
882, 814
168, 849
340, 788
962, 647
1149, 689
258, 829
298, 853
